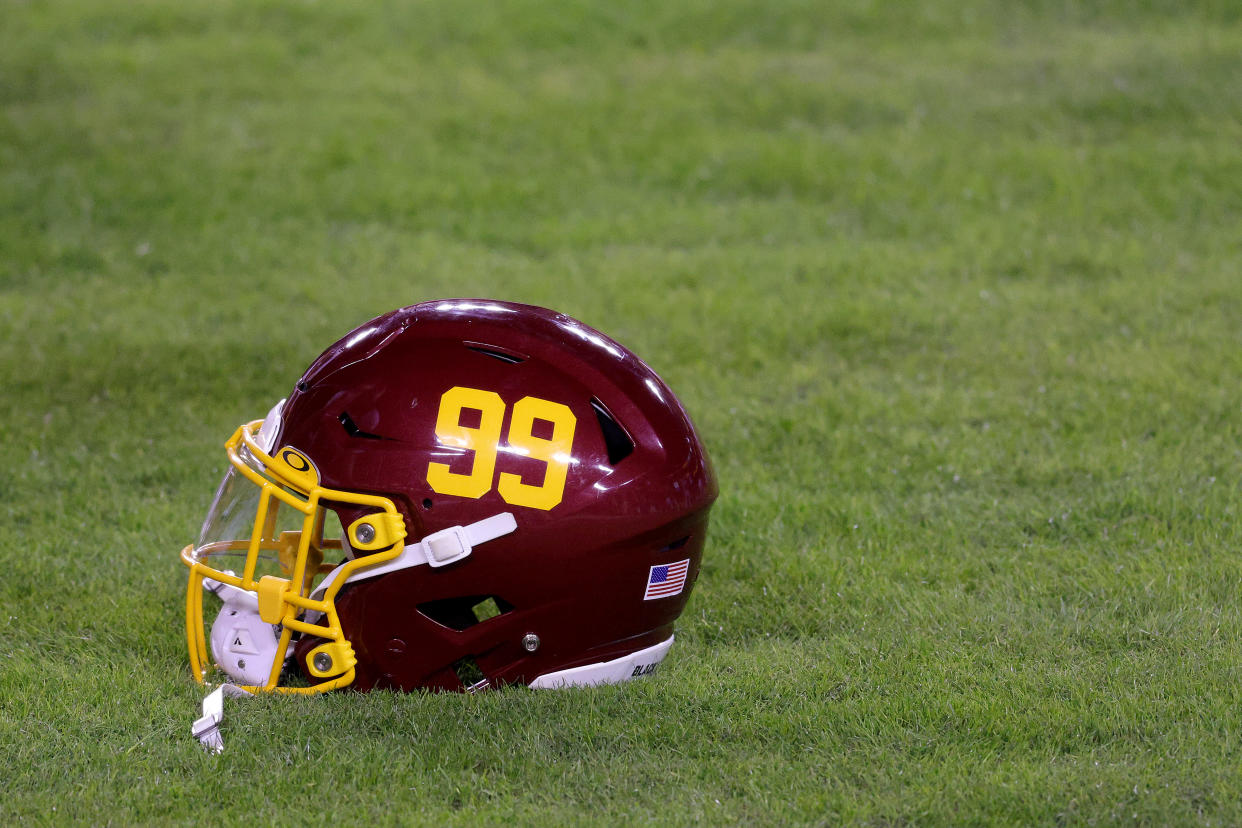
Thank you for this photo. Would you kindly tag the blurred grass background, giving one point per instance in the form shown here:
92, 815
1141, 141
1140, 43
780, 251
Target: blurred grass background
952, 290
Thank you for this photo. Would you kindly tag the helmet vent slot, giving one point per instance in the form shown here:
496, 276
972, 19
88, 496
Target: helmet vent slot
496, 353
616, 440
465, 611
353, 431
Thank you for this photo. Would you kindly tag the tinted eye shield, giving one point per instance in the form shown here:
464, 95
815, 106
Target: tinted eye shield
269, 513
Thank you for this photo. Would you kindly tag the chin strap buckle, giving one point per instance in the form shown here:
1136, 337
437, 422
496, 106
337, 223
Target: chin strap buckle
456, 542
437, 549
446, 546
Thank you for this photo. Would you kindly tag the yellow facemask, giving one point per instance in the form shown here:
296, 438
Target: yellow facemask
269, 516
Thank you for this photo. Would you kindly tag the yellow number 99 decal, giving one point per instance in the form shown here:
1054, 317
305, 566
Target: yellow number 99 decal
484, 441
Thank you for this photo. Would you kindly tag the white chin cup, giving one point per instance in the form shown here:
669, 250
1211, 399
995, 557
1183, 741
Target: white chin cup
242, 643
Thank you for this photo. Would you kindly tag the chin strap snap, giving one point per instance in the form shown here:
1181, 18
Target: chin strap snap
207, 728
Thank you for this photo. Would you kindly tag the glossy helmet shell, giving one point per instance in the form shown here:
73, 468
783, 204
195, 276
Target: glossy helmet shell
637, 493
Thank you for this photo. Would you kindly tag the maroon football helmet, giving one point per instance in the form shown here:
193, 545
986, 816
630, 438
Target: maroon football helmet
520, 500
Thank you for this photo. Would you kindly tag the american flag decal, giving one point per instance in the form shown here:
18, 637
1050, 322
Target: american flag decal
666, 580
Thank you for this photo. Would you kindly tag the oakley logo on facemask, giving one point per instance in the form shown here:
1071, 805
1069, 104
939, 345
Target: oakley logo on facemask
295, 460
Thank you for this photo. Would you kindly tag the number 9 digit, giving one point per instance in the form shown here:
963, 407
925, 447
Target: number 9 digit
555, 452
482, 440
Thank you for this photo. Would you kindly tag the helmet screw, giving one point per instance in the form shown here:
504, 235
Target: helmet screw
365, 533
323, 662
530, 642
241, 664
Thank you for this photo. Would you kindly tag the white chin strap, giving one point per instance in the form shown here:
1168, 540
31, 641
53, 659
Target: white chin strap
437, 549
244, 646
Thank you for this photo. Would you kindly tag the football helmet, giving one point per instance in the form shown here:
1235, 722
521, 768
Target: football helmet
457, 495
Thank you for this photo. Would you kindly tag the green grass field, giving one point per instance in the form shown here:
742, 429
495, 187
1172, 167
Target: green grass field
952, 289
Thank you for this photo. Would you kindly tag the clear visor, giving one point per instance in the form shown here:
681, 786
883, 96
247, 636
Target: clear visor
232, 512
259, 529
